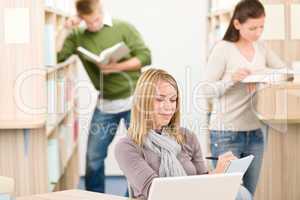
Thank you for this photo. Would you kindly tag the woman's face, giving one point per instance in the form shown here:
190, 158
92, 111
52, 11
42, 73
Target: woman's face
252, 29
165, 104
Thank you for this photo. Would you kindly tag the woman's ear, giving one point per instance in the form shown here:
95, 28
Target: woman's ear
236, 24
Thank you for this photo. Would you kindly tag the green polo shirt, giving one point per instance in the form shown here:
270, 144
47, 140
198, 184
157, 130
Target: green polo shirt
116, 85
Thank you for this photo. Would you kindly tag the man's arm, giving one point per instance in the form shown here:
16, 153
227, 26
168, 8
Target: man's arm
67, 48
140, 52
129, 65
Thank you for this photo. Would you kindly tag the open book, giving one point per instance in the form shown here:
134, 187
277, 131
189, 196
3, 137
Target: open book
240, 165
114, 53
268, 75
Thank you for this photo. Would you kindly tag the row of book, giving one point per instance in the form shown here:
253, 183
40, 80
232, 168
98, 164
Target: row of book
60, 93
61, 148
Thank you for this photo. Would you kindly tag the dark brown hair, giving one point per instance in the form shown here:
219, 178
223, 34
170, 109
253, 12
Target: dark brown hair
244, 10
86, 7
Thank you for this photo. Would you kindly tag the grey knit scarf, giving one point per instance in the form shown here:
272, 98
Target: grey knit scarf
168, 149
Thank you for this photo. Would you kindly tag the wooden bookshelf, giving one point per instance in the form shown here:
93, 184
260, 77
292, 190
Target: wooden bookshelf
56, 12
278, 106
40, 102
58, 120
219, 13
59, 66
279, 171
218, 18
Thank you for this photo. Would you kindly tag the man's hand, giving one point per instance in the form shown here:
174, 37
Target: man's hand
109, 68
127, 65
72, 22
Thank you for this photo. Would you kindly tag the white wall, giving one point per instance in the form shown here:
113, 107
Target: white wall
175, 32
87, 96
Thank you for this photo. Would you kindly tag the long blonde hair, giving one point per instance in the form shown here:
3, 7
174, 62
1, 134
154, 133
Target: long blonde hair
142, 111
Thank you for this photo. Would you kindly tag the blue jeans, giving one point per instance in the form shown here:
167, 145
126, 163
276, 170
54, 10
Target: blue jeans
102, 131
243, 194
241, 144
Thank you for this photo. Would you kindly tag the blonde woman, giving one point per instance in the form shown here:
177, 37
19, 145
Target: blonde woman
156, 145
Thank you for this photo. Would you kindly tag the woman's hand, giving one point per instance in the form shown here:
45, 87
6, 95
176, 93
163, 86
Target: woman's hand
223, 162
240, 74
251, 87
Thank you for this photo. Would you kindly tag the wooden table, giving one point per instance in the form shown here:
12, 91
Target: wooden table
73, 195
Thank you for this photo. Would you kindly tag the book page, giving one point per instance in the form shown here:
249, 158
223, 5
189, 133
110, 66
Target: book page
89, 55
268, 75
240, 165
114, 53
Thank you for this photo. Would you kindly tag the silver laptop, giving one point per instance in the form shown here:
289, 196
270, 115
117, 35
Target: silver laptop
202, 187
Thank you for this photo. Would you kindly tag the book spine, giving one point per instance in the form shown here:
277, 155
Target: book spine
49, 45
53, 161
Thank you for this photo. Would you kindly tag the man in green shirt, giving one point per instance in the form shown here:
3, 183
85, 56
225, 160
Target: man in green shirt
115, 81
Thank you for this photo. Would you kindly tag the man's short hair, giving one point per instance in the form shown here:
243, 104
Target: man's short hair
86, 7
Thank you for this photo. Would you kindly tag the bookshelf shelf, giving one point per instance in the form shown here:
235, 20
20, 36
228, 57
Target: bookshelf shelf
22, 124
225, 12
70, 173
57, 121
70, 157
56, 11
62, 65
64, 168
